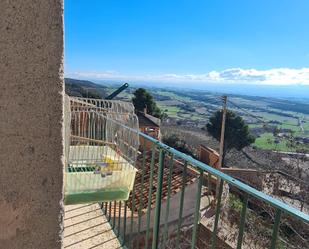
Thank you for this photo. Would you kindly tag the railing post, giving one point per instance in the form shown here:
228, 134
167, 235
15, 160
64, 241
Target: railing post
141, 189
119, 215
109, 211
105, 209
114, 217
275, 229
169, 184
209, 183
214, 233
158, 201
242, 221
182, 196
132, 214
153, 154
197, 209
124, 223
132, 210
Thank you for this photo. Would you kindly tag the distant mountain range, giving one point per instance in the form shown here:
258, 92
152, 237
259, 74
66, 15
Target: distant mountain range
84, 88
297, 92
287, 92
99, 89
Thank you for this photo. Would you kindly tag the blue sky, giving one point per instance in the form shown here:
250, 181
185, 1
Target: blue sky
226, 41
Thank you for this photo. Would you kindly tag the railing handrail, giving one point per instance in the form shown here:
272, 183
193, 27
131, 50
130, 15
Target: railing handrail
244, 187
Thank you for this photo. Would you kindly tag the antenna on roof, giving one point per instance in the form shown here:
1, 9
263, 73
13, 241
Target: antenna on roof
119, 90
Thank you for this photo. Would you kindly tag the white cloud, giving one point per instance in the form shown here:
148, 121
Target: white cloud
277, 76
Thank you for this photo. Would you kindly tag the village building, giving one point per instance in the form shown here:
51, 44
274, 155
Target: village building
149, 125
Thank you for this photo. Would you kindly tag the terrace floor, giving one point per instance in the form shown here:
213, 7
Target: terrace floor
86, 227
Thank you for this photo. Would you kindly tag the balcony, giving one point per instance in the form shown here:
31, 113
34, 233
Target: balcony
179, 202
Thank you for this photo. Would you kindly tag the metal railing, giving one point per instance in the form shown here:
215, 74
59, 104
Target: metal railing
165, 212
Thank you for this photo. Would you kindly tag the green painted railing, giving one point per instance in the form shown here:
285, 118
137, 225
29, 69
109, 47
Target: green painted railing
147, 226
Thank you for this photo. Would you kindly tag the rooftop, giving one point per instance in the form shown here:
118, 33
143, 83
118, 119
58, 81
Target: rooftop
145, 119
142, 180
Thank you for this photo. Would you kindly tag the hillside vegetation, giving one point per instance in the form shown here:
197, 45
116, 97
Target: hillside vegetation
84, 88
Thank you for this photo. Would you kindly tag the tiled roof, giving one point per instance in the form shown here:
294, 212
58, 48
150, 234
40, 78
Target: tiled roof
147, 120
177, 175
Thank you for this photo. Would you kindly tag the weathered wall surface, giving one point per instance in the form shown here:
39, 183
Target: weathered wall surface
251, 177
31, 98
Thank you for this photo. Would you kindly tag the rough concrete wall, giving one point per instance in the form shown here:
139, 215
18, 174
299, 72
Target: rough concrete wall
31, 98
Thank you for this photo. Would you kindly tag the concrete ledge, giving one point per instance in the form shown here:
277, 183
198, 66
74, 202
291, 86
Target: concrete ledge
31, 113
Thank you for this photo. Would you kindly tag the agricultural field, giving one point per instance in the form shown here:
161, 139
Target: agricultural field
263, 115
270, 142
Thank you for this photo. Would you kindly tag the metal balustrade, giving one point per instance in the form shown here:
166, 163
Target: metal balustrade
144, 222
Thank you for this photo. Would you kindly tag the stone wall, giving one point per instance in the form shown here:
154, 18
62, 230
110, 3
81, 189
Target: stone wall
31, 110
252, 177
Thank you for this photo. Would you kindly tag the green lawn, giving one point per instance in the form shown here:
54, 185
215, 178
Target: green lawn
173, 96
255, 125
267, 141
192, 116
171, 110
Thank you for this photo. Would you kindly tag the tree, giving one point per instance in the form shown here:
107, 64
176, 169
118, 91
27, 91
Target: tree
143, 99
177, 143
237, 133
276, 131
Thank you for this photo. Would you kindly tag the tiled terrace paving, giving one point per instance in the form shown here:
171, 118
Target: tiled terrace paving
85, 227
